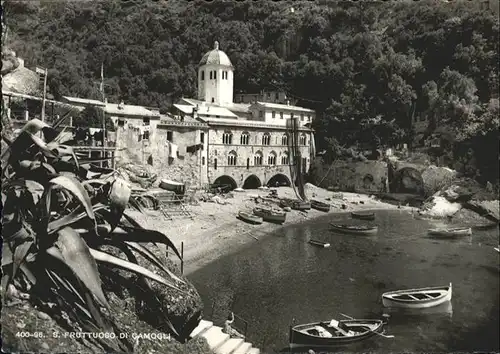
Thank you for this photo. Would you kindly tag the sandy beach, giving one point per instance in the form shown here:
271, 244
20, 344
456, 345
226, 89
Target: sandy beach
215, 231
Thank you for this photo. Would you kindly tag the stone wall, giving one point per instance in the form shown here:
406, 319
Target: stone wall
362, 177
185, 166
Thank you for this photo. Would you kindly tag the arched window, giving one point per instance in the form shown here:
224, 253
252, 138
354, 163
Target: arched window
271, 159
303, 139
227, 138
215, 75
284, 158
257, 158
210, 75
266, 139
245, 138
284, 139
231, 158
203, 75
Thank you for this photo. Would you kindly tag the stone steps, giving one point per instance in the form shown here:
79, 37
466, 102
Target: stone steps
220, 342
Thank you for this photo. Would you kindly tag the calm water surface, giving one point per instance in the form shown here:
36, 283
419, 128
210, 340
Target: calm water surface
281, 278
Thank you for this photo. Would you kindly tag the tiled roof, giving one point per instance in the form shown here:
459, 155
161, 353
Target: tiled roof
284, 107
130, 110
233, 107
83, 101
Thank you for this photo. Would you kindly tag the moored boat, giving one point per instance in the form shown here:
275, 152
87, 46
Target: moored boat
355, 229
295, 204
363, 215
451, 232
333, 333
316, 204
270, 215
173, 186
250, 218
319, 243
418, 298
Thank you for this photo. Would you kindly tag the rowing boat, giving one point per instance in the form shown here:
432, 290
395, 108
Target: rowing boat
451, 232
417, 298
270, 215
295, 204
315, 204
250, 218
333, 333
319, 243
355, 229
363, 216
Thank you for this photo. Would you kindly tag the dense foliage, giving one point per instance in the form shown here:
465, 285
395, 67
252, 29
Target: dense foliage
65, 225
369, 68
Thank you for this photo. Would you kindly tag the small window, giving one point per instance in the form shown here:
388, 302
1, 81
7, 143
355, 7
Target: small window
145, 135
273, 114
213, 100
215, 164
308, 117
202, 137
277, 96
269, 95
281, 115
170, 136
291, 115
121, 122
202, 75
210, 75
248, 163
215, 75
261, 114
203, 160
145, 121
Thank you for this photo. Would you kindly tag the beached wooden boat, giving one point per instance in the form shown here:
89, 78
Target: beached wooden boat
418, 298
319, 243
270, 215
333, 333
250, 218
363, 215
490, 226
173, 186
355, 229
295, 204
451, 232
315, 204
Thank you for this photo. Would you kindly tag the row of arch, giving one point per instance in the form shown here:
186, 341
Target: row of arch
258, 159
227, 138
253, 182
213, 75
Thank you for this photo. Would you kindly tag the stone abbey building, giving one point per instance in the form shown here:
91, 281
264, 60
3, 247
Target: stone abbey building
243, 144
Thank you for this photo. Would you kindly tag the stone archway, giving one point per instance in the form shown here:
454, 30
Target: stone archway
252, 182
367, 181
407, 180
279, 180
225, 182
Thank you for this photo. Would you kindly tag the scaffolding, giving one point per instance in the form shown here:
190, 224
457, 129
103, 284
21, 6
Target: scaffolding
173, 205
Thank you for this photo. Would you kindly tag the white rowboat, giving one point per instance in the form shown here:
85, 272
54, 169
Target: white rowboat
418, 298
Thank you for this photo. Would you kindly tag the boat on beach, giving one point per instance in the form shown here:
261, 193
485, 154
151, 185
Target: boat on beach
169, 185
363, 215
250, 218
418, 298
316, 204
319, 243
333, 333
450, 232
295, 204
355, 229
270, 215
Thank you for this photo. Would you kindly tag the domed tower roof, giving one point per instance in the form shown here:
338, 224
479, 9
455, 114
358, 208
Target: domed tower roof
216, 57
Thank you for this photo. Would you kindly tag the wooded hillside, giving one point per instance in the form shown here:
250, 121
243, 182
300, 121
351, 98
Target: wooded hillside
367, 67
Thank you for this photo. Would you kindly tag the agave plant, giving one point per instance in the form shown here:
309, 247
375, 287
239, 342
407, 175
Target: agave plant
61, 213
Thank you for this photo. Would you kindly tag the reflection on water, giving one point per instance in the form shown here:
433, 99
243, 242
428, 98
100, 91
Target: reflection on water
282, 278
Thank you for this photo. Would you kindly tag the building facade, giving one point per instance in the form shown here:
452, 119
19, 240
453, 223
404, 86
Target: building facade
248, 144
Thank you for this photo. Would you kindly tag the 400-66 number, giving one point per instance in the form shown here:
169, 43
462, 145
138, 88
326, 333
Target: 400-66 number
29, 335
